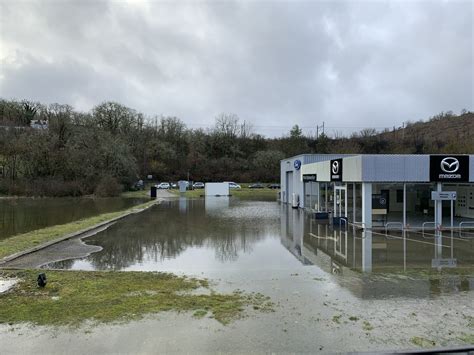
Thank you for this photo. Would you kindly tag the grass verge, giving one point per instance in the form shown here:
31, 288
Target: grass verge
72, 297
243, 192
139, 193
37, 237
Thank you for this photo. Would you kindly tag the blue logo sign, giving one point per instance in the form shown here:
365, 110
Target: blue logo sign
297, 164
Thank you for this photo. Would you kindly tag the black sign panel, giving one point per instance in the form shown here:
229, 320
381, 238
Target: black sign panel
336, 170
449, 168
309, 177
379, 201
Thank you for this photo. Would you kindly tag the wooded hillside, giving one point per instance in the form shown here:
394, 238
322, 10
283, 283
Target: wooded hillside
57, 151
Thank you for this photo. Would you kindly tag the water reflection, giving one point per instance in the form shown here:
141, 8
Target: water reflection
392, 251
364, 258
201, 235
196, 228
215, 205
26, 214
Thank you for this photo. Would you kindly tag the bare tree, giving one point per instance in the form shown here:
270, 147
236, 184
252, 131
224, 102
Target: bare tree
227, 125
246, 130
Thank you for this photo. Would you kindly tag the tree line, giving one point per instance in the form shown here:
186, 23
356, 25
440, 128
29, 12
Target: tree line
54, 150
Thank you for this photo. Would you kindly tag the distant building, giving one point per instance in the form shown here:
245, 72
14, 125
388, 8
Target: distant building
39, 124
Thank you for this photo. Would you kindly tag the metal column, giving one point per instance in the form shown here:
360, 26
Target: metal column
345, 201
404, 206
353, 203
438, 223
367, 250
319, 197
326, 196
366, 205
438, 208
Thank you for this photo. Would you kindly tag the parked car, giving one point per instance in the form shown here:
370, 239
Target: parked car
174, 185
233, 185
139, 185
274, 186
163, 186
256, 186
198, 185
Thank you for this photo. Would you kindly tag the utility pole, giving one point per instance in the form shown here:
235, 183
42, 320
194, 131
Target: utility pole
317, 130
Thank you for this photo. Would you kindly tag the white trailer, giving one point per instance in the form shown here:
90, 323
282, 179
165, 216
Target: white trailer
217, 189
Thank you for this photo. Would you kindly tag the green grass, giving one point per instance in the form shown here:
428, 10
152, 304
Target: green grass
34, 238
72, 297
139, 193
367, 326
422, 342
243, 192
467, 338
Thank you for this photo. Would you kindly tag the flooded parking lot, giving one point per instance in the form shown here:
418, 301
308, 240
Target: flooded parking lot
232, 235
239, 240
193, 236
329, 294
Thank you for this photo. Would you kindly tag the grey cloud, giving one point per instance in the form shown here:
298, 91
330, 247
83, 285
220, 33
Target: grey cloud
350, 64
64, 81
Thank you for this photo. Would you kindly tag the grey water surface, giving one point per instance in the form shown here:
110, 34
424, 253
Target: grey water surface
21, 215
333, 289
221, 237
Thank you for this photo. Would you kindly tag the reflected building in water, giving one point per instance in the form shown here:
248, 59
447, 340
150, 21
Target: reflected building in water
362, 258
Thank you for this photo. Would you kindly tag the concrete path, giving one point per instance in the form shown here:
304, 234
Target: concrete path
165, 194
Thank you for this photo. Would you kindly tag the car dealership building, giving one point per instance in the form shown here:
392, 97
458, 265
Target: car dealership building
378, 190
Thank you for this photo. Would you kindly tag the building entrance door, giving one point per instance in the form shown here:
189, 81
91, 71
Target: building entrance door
340, 201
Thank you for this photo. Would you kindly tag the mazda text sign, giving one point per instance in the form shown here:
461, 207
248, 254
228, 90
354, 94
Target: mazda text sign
449, 168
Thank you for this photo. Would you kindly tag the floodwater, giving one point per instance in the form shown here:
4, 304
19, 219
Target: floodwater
334, 290
218, 236
21, 215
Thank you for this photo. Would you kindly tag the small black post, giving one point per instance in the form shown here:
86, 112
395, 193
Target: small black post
41, 280
153, 191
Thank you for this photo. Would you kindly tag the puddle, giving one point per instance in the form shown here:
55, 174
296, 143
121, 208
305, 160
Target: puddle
6, 284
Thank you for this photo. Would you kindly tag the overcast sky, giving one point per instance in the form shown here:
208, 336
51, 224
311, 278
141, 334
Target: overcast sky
351, 64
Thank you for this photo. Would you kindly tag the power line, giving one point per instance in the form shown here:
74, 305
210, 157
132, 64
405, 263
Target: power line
289, 127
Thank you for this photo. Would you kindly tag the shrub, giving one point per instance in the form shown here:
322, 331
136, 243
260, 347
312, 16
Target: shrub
108, 187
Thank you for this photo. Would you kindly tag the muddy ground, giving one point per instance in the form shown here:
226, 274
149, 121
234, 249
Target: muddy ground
313, 312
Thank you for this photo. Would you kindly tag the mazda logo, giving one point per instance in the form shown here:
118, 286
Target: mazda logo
450, 165
335, 167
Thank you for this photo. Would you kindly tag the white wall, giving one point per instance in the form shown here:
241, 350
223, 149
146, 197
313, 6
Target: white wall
352, 169
217, 189
296, 183
321, 169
